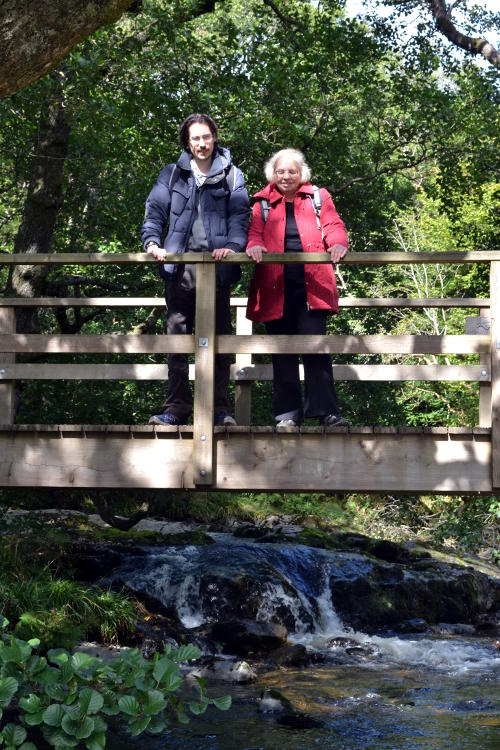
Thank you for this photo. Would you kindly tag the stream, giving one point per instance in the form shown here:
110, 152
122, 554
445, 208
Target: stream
381, 692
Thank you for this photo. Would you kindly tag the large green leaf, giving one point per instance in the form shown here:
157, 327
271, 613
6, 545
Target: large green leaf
137, 726
83, 662
14, 735
53, 715
56, 692
60, 739
96, 742
198, 707
157, 725
129, 705
85, 729
31, 703
17, 652
90, 701
58, 656
33, 720
8, 687
154, 703
161, 667
49, 676
187, 653
223, 703
36, 664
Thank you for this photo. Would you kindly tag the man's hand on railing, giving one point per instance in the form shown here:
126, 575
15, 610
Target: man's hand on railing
221, 252
255, 252
158, 252
337, 252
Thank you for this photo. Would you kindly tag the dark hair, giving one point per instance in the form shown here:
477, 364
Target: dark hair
195, 117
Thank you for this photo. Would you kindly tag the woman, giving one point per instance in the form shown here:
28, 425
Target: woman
290, 215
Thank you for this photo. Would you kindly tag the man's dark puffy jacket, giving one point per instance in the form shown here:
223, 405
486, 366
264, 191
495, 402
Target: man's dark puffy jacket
225, 211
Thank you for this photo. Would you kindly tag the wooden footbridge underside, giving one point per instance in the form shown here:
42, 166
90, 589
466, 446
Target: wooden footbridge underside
358, 459
364, 459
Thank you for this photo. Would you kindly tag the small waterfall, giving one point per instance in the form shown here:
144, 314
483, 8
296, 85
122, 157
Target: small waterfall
283, 583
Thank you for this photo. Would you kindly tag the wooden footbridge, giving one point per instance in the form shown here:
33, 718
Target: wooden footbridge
367, 458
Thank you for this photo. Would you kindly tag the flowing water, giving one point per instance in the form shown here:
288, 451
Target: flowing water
382, 693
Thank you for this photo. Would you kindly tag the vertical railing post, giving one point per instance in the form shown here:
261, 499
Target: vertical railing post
495, 373
485, 387
204, 374
243, 391
7, 325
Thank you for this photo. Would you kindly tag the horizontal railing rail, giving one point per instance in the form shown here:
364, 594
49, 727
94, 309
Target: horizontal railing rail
353, 258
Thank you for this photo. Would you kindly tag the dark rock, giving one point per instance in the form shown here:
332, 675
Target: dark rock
153, 630
385, 595
290, 655
90, 565
415, 625
226, 597
341, 642
243, 637
488, 624
363, 650
223, 670
388, 551
275, 703
457, 628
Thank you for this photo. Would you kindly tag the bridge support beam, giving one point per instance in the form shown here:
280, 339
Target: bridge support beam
439, 460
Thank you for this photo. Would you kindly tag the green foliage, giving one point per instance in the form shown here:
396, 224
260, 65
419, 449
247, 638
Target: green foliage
40, 599
60, 611
70, 698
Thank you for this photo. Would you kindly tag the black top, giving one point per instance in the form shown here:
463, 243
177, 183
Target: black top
292, 245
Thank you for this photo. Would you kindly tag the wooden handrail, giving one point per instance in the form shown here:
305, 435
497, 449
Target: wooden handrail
371, 302
368, 258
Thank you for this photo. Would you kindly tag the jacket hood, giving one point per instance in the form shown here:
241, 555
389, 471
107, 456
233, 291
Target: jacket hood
220, 162
271, 192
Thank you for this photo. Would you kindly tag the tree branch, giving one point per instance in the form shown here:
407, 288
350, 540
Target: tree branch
476, 45
389, 169
285, 19
36, 36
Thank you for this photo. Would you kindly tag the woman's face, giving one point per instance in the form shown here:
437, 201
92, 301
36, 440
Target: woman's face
287, 176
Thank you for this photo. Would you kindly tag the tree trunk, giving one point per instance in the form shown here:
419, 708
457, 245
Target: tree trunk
41, 207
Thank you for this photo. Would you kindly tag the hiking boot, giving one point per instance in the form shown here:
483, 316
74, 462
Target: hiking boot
166, 419
333, 420
283, 423
223, 419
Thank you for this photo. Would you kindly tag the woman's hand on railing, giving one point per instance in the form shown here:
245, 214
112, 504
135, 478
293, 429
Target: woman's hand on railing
255, 252
337, 252
221, 252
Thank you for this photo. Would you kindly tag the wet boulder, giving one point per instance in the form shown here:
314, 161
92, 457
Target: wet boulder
244, 637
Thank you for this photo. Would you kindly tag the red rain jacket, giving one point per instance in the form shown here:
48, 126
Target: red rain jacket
267, 289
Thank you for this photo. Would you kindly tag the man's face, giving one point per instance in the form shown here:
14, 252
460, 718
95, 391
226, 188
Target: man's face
201, 141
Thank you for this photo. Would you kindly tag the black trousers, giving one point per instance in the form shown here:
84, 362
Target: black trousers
180, 296
320, 397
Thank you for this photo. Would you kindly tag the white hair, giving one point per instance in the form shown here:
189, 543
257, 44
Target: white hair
290, 153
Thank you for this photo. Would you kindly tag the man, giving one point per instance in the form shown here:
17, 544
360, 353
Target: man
199, 204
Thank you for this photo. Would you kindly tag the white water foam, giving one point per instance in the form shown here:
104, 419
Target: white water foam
458, 656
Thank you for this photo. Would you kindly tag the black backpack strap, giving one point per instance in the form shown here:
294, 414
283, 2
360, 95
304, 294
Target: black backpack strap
317, 201
264, 208
174, 176
230, 178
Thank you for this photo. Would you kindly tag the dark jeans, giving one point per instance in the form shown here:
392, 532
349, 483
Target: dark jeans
320, 397
180, 296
